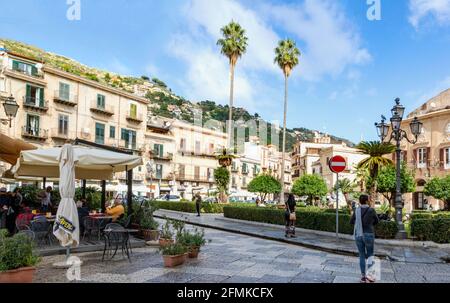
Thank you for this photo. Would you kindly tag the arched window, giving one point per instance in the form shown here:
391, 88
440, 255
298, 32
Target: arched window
421, 182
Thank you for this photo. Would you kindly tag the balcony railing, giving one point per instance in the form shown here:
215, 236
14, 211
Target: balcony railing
164, 156
123, 176
133, 117
156, 176
127, 145
35, 103
26, 72
104, 110
60, 134
34, 133
71, 100
194, 178
159, 128
186, 152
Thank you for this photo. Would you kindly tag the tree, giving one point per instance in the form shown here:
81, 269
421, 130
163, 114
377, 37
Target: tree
233, 45
346, 187
222, 178
264, 185
439, 188
286, 56
376, 160
312, 186
146, 78
386, 182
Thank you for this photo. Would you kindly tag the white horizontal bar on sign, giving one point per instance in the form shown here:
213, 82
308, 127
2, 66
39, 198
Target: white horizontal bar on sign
338, 164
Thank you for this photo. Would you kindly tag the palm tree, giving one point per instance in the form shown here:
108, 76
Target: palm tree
346, 186
233, 46
376, 160
286, 56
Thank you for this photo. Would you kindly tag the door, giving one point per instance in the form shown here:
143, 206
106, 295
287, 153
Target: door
419, 199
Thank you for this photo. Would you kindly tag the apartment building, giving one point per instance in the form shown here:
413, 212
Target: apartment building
430, 156
244, 168
55, 106
271, 162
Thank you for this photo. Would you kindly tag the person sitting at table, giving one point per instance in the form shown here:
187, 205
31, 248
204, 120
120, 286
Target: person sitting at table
46, 200
25, 216
117, 210
83, 212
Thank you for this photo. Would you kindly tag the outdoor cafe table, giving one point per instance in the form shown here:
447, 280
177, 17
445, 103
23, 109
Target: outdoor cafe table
116, 237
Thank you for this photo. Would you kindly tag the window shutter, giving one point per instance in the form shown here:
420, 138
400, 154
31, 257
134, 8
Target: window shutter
428, 156
34, 70
415, 156
41, 97
28, 95
15, 65
441, 158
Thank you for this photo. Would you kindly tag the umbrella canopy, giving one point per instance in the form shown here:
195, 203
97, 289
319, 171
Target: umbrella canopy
91, 164
10, 148
66, 227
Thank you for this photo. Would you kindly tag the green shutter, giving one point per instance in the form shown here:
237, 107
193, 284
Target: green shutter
15, 65
34, 70
41, 97
133, 110
161, 150
28, 95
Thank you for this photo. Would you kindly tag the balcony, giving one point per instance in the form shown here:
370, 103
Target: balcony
35, 103
163, 157
34, 133
245, 172
234, 169
35, 74
102, 110
194, 178
135, 118
192, 153
156, 176
127, 145
158, 128
69, 100
59, 134
123, 176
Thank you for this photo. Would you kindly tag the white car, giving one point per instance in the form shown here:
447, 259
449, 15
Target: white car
171, 198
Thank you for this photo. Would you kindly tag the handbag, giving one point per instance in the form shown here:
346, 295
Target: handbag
292, 216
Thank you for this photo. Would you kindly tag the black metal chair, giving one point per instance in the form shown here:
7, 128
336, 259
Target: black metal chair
42, 230
114, 237
29, 233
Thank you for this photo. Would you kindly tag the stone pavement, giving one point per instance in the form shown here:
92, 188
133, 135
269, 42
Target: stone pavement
231, 257
401, 251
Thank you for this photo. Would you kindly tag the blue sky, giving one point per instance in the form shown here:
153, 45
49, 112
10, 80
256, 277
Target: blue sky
350, 71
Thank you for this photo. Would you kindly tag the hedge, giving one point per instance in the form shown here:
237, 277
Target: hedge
430, 215
386, 229
436, 229
189, 207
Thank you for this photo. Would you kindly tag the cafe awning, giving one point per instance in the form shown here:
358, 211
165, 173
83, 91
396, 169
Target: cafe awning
91, 163
10, 148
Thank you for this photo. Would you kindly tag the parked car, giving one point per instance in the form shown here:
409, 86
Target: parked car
171, 198
211, 200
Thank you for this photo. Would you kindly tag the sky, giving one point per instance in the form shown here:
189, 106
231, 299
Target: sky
351, 69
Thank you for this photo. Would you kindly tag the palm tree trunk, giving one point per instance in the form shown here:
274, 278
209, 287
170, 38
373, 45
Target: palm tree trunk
283, 156
230, 112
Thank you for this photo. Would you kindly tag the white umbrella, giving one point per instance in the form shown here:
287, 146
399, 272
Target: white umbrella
92, 164
66, 227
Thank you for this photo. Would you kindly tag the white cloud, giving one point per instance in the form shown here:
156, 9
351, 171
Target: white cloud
420, 9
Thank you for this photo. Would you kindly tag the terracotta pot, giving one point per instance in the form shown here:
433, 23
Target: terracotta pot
172, 261
20, 275
193, 252
225, 162
165, 242
150, 235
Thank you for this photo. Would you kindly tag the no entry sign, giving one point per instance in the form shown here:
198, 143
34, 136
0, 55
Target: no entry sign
337, 164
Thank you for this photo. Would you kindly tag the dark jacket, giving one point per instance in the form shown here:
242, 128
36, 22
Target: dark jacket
369, 219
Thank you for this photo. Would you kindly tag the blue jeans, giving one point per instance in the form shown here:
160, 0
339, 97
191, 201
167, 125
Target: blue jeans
365, 246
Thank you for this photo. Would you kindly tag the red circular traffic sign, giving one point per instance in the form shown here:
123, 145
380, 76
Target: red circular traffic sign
337, 164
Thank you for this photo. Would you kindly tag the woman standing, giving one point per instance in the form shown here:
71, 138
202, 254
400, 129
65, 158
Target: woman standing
365, 218
290, 217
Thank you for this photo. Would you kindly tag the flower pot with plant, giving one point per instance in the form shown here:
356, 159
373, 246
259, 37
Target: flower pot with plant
193, 241
166, 235
174, 254
149, 228
17, 259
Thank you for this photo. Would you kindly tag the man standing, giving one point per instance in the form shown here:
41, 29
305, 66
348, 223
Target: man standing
198, 203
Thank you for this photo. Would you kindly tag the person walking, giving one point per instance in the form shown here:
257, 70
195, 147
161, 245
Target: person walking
290, 216
364, 219
198, 203
46, 202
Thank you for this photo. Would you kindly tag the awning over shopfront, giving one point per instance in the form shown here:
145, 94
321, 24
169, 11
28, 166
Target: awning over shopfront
10, 148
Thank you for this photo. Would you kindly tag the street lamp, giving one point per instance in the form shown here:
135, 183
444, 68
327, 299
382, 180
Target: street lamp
11, 108
149, 167
397, 134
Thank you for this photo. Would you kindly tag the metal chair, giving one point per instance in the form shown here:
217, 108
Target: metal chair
114, 239
42, 230
29, 233
22, 224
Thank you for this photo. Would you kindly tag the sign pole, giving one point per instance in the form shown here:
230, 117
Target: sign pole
337, 206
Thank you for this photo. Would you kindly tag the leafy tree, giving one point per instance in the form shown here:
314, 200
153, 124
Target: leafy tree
159, 82
222, 178
145, 78
312, 186
386, 182
346, 187
286, 56
439, 188
264, 185
374, 162
233, 45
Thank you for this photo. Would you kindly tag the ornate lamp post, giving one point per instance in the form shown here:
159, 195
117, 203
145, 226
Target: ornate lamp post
150, 171
11, 108
397, 134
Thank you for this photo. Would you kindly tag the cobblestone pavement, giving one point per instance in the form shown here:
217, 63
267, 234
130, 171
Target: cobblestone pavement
233, 258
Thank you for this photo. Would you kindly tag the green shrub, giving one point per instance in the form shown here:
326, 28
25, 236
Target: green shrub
441, 230
422, 229
16, 252
166, 233
187, 207
173, 249
386, 229
192, 239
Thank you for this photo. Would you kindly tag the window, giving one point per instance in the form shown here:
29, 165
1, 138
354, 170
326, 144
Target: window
422, 157
24, 68
64, 91
159, 171
181, 170
101, 101
210, 174
197, 147
129, 136
112, 132
63, 125
133, 110
34, 95
32, 127
183, 144
211, 148
158, 149
447, 158
99, 133
447, 129
197, 172
244, 168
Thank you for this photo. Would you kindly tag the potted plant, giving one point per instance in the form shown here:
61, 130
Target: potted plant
149, 228
17, 259
193, 241
225, 159
166, 235
174, 254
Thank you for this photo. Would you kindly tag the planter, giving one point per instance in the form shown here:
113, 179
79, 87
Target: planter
165, 242
225, 162
137, 227
172, 261
150, 235
20, 275
193, 252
